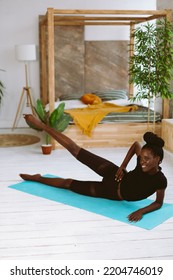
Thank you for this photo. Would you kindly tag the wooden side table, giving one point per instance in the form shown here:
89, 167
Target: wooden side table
167, 133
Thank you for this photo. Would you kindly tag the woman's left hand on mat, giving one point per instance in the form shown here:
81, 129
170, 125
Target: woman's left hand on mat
135, 216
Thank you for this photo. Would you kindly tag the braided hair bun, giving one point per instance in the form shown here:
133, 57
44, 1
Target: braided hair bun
152, 139
155, 144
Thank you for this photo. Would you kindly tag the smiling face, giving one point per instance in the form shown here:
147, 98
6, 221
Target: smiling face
149, 163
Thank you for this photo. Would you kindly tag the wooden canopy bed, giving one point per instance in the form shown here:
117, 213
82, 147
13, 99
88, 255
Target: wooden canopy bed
104, 134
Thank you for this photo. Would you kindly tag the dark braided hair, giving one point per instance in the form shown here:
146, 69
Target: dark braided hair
154, 143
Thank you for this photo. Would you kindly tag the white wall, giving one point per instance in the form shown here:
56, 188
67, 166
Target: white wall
19, 25
166, 4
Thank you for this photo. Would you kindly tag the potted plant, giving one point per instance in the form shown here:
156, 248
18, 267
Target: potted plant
57, 120
151, 65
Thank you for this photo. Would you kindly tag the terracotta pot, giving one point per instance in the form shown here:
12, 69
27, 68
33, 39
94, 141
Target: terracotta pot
46, 149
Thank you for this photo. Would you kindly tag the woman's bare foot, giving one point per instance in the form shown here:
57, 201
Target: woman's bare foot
33, 121
27, 177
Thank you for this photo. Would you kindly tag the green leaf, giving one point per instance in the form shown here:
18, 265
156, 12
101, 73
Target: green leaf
63, 123
56, 114
40, 111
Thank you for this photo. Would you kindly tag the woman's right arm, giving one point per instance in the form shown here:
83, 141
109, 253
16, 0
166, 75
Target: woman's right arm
134, 149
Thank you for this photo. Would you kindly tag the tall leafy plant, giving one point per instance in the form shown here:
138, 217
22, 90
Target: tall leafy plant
151, 65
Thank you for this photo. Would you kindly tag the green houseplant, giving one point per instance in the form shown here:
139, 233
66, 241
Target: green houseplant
57, 120
151, 65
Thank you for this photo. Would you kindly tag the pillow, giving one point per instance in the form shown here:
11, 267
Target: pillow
112, 94
73, 104
119, 102
69, 104
70, 96
90, 98
124, 102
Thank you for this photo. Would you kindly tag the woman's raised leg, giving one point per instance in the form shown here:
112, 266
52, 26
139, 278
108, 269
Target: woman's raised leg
98, 164
62, 139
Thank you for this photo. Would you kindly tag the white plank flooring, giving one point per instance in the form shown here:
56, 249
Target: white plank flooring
36, 228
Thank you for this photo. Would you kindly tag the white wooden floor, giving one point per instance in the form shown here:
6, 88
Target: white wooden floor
36, 228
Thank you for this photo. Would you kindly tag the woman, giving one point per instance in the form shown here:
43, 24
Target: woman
117, 184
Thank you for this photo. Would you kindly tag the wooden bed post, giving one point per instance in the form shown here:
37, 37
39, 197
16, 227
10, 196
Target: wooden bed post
51, 62
131, 53
51, 54
43, 63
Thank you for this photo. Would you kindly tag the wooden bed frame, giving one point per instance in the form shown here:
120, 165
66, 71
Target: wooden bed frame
104, 135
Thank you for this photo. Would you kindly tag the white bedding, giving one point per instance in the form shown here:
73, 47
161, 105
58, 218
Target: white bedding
72, 104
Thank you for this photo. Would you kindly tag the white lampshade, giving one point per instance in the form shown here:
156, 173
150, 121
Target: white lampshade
25, 52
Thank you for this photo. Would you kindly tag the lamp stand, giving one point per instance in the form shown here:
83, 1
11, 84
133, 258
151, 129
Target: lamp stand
29, 103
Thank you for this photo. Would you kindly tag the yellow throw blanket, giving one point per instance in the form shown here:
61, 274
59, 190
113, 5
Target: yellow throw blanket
88, 118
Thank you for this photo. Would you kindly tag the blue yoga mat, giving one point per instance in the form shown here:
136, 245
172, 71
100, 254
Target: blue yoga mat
118, 210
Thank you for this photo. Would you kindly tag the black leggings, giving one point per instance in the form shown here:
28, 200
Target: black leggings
107, 188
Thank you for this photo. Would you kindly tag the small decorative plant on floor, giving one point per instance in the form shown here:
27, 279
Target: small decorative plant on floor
151, 65
57, 120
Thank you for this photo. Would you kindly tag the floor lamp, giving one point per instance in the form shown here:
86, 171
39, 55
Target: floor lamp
25, 53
